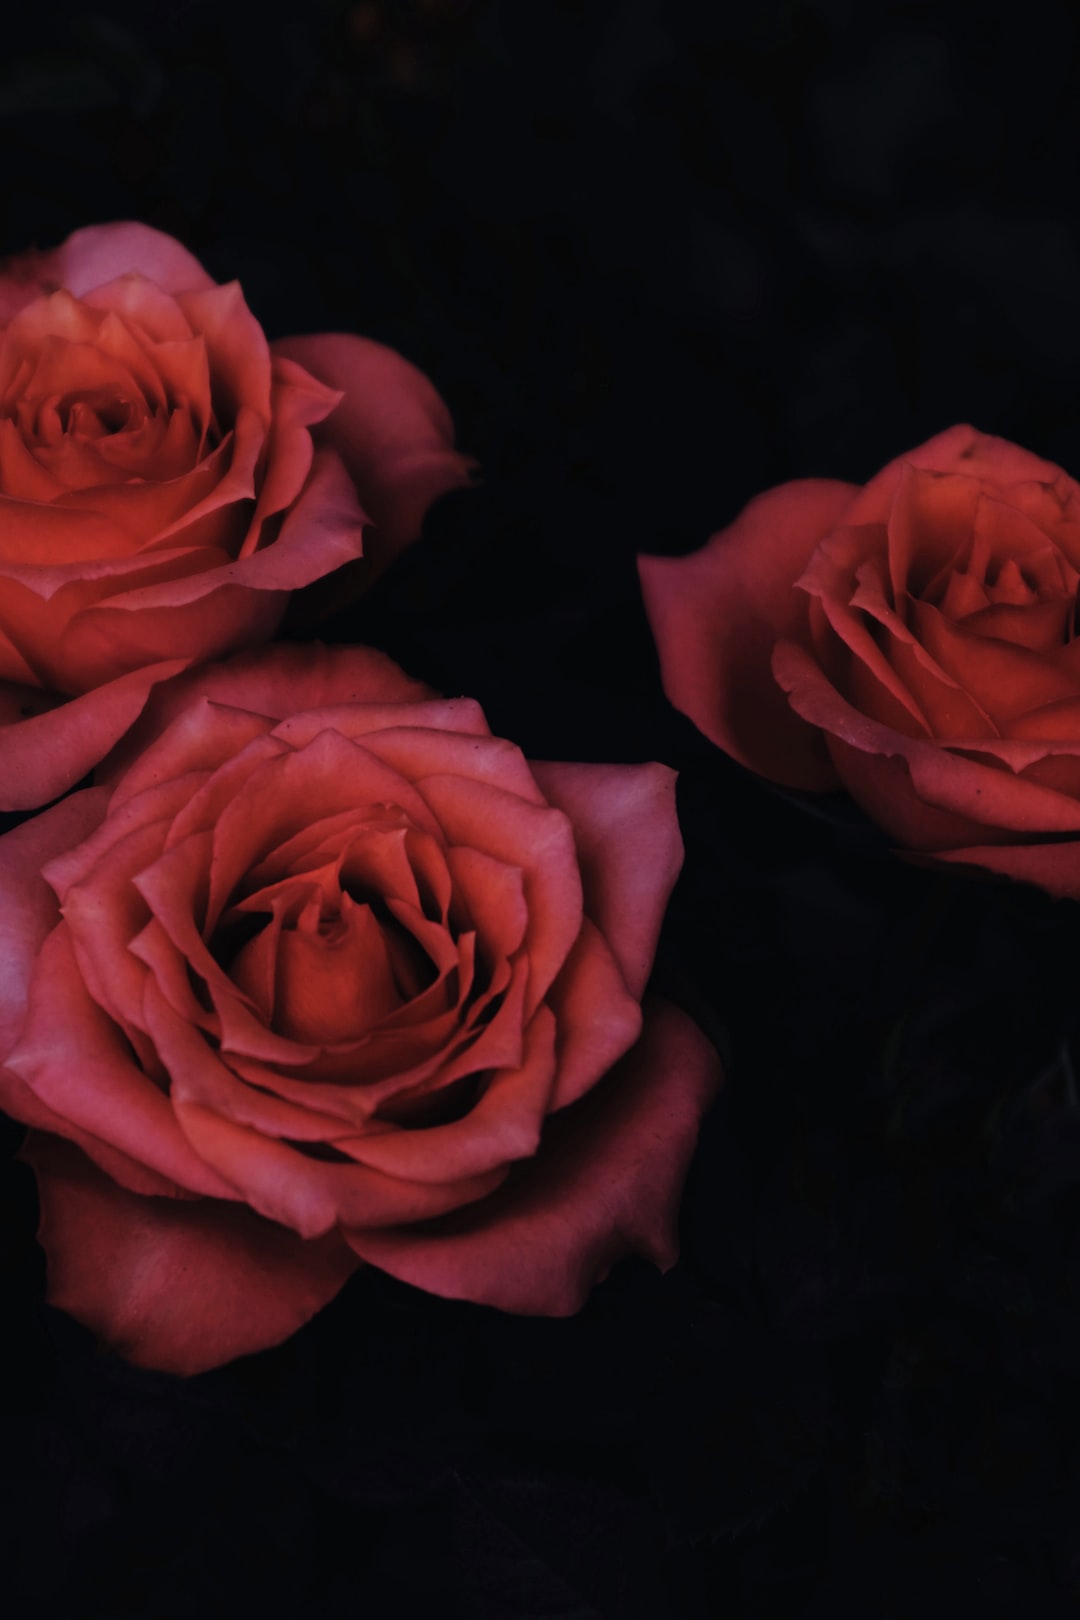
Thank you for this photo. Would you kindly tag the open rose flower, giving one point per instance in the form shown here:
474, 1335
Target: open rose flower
167, 478
327, 974
914, 641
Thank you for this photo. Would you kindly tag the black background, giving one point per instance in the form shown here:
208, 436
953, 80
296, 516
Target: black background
657, 256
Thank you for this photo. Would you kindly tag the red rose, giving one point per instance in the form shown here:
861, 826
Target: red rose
160, 493
328, 974
914, 641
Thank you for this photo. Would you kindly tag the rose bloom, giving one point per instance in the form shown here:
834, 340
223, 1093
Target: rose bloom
913, 641
320, 972
167, 478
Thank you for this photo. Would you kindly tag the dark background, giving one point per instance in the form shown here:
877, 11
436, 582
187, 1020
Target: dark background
657, 256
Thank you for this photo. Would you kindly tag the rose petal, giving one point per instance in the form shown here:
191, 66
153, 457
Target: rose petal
1053, 867
392, 431
312, 1195
18, 1100
903, 796
961, 449
537, 839
236, 347
846, 579
605, 1183
717, 614
331, 989
598, 1019
28, 907
1004, 678
175, 1285
146, 306
298, 402
75, 1059
361, 718
503, 1125
930, 522
626, 832
46, 754
278, 682
100, 253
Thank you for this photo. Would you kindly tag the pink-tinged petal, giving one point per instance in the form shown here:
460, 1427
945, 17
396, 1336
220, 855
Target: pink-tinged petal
392, 431
203, 737
157, 803
1052, 867
627, 835
597, 1017
156, 951
361, 719
202, 621
321, 532
78, 1063
313, 1195
717, 614
491, 899
503, 1125
299, 401
145, 305
174, 1285
278, 682
100, 253
208, 802
45, 754
203, 1075
174, 887
605, 1183
903, 781
28, 907
537, 839
103, 915
418, 752
18, 1100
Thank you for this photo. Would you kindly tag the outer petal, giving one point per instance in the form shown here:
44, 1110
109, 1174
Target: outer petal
77, 1063
717, 614
1053, 867
28, 908
960, 449
917, 789
97, 254
174, 1285
276, 681
627, 837
45, 754
392, 431
605, 1183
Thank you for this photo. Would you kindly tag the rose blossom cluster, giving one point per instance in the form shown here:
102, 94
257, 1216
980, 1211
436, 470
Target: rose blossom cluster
314, 973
